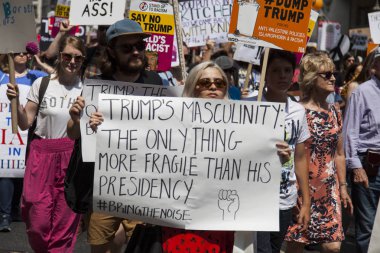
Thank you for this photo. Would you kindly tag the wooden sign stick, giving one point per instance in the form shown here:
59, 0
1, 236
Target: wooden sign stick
247, 76
12, 80
263, 73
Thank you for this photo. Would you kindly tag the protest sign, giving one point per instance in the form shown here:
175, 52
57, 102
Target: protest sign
189, 163
329, 33
99, 12
50, 28
359, 41
18, 25
313, 19
374, 244
62, 9
274, 24
371, 47
203, 20
93, 87
158, 20
248, 53
12, 146
374, 26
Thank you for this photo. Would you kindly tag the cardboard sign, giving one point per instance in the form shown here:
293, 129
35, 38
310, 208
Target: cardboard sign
329, 34
275, 23
374, 26
189, 163
203, 20
12, 146
62, 9
359, 41
248, 53
17, 25
158, 20
99, 12
93, 87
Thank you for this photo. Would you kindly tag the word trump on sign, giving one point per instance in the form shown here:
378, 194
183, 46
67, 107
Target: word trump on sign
169, 161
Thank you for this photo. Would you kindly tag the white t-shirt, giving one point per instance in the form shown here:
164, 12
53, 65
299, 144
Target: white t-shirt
296, 131
53, 114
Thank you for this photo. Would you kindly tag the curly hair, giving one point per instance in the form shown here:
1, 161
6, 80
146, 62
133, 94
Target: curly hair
311, 65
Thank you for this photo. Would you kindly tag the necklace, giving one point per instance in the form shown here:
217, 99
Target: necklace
64, 91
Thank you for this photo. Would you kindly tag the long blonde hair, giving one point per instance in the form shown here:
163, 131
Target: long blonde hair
309, 69
196, 73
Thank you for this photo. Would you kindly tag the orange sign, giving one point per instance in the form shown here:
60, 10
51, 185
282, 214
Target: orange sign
277, 23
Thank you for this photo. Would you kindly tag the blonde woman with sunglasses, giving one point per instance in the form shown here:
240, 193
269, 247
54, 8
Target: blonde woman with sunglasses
50, 224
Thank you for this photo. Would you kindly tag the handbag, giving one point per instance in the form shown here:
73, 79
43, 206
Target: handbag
79, 181
372, 163
31, 136
146, 238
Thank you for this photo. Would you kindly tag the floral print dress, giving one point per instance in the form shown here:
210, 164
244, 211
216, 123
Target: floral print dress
326, 217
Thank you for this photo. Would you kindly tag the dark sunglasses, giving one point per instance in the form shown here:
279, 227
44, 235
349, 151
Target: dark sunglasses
68, 57
128, 48
18, 54
327, 75
207, 82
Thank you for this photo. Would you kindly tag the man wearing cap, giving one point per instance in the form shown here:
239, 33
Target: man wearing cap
124, 61
362, 147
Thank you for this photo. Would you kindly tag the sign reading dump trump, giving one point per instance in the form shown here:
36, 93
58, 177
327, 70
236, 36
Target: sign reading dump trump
91, 90
17, 26
96, 12
281, 24
189, 163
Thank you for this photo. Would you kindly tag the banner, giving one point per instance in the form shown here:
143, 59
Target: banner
93, 87
189, 163
17, 25
205, 19
99, 12
158, 20
374, 26
271, 23
12, 146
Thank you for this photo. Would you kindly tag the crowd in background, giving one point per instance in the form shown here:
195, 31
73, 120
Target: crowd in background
328, 155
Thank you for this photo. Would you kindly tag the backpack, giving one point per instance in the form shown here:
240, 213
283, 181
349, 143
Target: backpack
31, 136
79, 181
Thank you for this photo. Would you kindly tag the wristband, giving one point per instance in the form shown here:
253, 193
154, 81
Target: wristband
343, 184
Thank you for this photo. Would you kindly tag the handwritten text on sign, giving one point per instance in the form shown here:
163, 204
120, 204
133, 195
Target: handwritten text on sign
96, 12
17, 25
206, 19
189, 163
94, 87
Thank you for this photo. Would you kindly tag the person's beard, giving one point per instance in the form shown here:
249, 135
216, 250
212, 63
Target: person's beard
128, 67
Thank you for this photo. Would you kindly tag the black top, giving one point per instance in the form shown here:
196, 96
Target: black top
146, 77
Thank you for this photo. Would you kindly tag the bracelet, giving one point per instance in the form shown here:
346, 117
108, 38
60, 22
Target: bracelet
343, 184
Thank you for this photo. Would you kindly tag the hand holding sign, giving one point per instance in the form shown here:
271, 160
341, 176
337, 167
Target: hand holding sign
228, 202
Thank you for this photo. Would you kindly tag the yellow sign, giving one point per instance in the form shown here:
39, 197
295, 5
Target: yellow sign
62, 11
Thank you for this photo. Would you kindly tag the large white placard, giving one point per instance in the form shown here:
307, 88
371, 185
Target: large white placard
374, 26
17, 25
99, 12
91, 90
374, 245
203, 20
189, 163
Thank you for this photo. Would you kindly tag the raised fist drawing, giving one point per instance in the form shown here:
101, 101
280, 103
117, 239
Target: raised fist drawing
228, 202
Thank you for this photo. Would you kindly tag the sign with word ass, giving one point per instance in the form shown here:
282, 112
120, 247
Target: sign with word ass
158, 20
91, 90
205, 19
189, 163
271, 23
96, 12
17, 25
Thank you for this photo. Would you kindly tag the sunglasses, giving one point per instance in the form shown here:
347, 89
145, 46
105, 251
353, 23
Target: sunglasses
20, 54
207, 82
327, 75
68, 57
128, 48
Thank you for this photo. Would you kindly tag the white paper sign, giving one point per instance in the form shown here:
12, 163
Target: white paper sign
17, 26
99, 12
189, 163
329, 34
374, 26
94, 87
203, 20
248, 53
374, 244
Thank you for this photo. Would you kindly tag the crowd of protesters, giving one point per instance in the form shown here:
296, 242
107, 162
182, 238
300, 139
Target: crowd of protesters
330, 153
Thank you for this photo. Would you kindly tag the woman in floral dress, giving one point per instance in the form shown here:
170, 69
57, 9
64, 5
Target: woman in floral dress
327, 177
